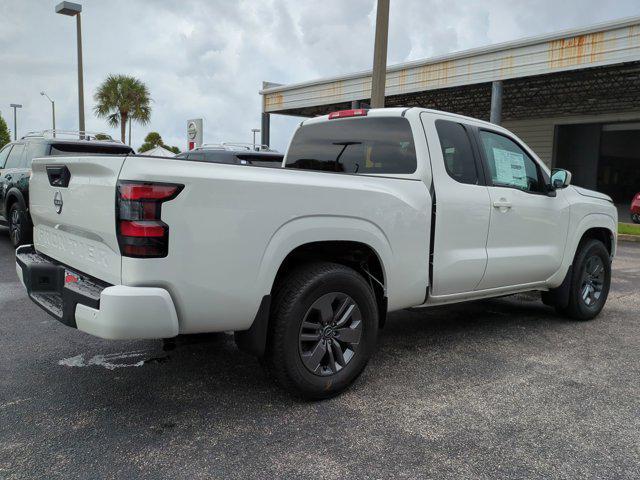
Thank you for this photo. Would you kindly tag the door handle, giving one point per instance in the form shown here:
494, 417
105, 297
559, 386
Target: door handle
502, 203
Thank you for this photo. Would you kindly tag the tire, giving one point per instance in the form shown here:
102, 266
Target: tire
20, 228
323, 356
590, 281
635, 218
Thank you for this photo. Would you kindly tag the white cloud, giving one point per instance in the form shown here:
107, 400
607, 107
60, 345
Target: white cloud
208, 59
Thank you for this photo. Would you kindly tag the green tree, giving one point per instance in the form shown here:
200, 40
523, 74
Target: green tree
120, 98
152, 140
5, 137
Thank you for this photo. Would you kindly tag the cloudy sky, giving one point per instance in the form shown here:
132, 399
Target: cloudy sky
208, 58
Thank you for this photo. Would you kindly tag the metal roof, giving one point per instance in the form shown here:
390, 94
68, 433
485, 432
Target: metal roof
600, 45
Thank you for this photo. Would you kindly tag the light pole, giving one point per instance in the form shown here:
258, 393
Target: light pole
53, 112
73, 10
15, 107
255, 130
379, 74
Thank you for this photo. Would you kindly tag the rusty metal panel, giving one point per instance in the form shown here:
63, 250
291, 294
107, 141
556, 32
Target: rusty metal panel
607, 44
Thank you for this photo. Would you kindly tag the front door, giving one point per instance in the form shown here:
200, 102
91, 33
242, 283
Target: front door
528, 228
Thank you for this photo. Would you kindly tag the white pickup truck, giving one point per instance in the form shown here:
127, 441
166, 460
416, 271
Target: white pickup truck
374, 211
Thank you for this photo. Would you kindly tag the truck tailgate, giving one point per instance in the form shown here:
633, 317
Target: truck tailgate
72, 202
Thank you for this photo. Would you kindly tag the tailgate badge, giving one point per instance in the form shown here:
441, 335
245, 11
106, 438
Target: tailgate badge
57, 202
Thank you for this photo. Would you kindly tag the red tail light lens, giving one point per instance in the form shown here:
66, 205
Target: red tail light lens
356, 112
147, 191
141, 232
141, 229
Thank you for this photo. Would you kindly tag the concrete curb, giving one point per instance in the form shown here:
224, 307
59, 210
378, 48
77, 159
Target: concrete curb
623, 237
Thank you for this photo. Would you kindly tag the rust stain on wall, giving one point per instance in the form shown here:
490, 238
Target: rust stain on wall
506, 66
576, 50
435, 74
274, 100
402, 80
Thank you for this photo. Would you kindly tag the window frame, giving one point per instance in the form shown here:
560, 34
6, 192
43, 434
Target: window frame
470, 132
542, 178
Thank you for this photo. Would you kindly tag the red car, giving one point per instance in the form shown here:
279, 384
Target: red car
635, 208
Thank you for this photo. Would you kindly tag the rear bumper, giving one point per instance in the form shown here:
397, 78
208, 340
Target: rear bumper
114, 312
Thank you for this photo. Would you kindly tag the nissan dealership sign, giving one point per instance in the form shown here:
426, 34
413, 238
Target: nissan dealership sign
194, 133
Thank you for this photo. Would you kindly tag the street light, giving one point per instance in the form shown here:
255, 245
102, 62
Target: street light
15, 107
53, 112
73, 10
255, 130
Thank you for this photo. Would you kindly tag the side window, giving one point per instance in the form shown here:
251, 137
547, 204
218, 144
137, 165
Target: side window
34, 150
457, 152
15, 156
4, 153
510, 165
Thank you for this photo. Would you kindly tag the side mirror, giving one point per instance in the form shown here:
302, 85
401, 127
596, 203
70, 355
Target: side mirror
560, 178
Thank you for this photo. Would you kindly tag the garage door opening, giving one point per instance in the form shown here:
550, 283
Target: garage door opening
603, 157
619, 165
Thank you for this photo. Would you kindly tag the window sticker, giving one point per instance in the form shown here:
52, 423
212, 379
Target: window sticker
510, 168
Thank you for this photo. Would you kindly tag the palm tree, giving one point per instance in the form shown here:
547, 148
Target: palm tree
121, 98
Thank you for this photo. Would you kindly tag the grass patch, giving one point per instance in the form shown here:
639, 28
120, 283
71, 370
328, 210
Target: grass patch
629, 228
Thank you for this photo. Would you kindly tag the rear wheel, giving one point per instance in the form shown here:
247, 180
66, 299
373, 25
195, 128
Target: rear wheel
20, 228
590, 281
635, 217
323, 330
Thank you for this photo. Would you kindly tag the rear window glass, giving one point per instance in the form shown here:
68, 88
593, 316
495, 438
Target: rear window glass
213, 156
230, 157
355, 145
261, 160
35, 150
88, 149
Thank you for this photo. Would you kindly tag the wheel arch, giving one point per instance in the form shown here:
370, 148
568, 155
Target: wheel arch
354, 242
14, 195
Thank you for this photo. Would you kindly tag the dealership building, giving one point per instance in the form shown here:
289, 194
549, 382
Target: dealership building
572, 96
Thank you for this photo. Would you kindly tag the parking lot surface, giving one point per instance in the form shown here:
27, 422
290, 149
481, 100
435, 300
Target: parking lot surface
495, 389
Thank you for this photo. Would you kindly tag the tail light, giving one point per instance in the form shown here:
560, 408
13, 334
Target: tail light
141, 232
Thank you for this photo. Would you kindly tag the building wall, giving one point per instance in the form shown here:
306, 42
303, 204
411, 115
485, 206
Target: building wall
538, 133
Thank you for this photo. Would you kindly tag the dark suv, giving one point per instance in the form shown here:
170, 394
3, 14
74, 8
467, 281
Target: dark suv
15, 170
235, 154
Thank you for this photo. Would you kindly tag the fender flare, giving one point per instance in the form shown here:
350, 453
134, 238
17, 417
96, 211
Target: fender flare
592, 220
321, 228
294, 234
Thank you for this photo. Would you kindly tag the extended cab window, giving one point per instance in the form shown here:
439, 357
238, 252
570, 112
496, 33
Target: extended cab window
355, 145
510, 165
457, 152
15, 156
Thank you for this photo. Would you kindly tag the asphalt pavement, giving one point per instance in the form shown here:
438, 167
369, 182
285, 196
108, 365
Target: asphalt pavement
494, 389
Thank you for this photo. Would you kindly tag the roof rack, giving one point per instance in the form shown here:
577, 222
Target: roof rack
234, 146
76, 134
